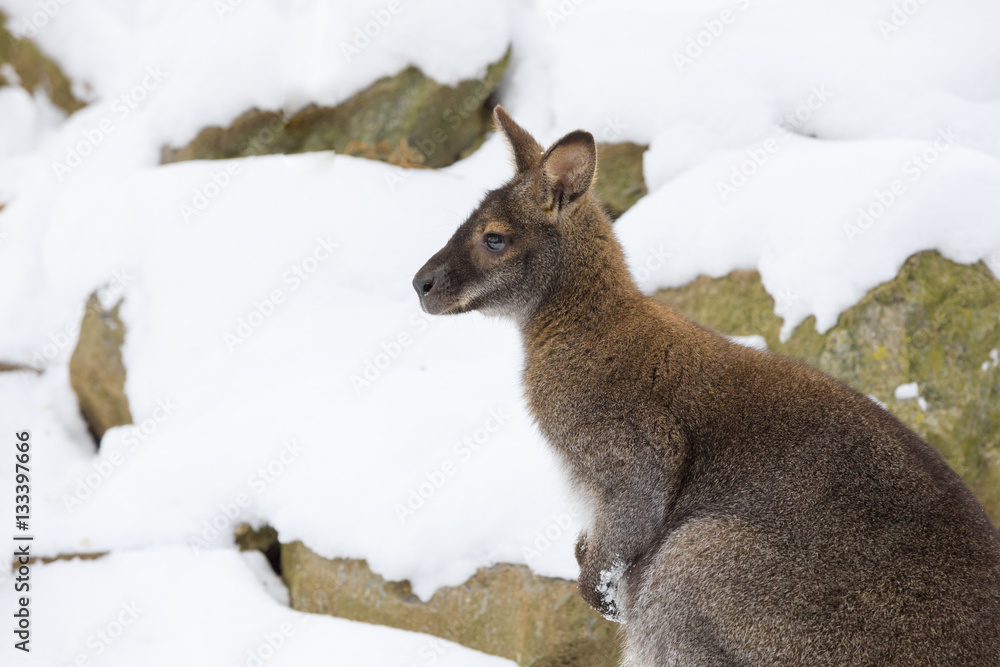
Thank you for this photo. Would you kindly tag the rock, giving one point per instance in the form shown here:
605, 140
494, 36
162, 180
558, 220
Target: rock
35, 70
620, 182
7, 367
406, 119
935, 324
503, 610
263, 539
96, 371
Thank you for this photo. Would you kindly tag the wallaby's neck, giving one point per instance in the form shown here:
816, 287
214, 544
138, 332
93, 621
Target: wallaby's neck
591, 284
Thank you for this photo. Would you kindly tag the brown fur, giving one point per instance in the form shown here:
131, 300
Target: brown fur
757, 511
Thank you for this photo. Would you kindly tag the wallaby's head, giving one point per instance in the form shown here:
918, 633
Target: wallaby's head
505, 257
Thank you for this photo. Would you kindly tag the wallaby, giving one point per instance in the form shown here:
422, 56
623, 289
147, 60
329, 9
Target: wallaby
747, 509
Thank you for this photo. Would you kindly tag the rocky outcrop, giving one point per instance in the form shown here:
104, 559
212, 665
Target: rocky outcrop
96, 371
620, 182
407, 119
937, 324
504, 610
34, 70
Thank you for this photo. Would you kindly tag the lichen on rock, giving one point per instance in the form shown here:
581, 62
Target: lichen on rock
620, 183
935, 324
503, 610
407, 119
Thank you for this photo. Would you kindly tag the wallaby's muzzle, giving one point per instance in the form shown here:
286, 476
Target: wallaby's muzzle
424, 283
433, 287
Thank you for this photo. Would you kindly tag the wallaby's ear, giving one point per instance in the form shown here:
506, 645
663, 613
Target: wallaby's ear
569, 167
526, 150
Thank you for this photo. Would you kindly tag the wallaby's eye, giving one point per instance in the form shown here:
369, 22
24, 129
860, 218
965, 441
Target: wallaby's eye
494, 242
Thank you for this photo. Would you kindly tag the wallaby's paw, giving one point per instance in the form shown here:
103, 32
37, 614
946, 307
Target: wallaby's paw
600, 589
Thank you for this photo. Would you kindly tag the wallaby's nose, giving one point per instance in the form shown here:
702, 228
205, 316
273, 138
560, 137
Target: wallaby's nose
423, 284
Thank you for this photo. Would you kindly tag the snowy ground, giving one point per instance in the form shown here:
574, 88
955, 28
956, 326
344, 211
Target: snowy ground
170, 607
275, 352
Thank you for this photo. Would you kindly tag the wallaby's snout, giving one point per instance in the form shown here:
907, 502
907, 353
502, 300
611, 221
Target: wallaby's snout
428, 285
423, 283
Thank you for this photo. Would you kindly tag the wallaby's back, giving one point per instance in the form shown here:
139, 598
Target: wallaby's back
747, 509
809, 526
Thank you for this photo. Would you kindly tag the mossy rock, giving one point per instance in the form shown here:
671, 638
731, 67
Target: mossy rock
96, 371
936, 324
620, 183
407, 119
35, 70
503, 610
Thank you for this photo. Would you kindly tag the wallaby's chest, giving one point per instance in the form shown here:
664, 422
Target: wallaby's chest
585, 402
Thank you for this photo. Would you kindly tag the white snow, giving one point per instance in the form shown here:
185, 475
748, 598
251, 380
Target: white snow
755, 341
608, 589
279, 369
907, 391
171, 607
878, 402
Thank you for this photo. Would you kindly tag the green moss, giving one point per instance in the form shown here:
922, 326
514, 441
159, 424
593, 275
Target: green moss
35, 70
504, 610
406, 119
620, 182
934, 324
